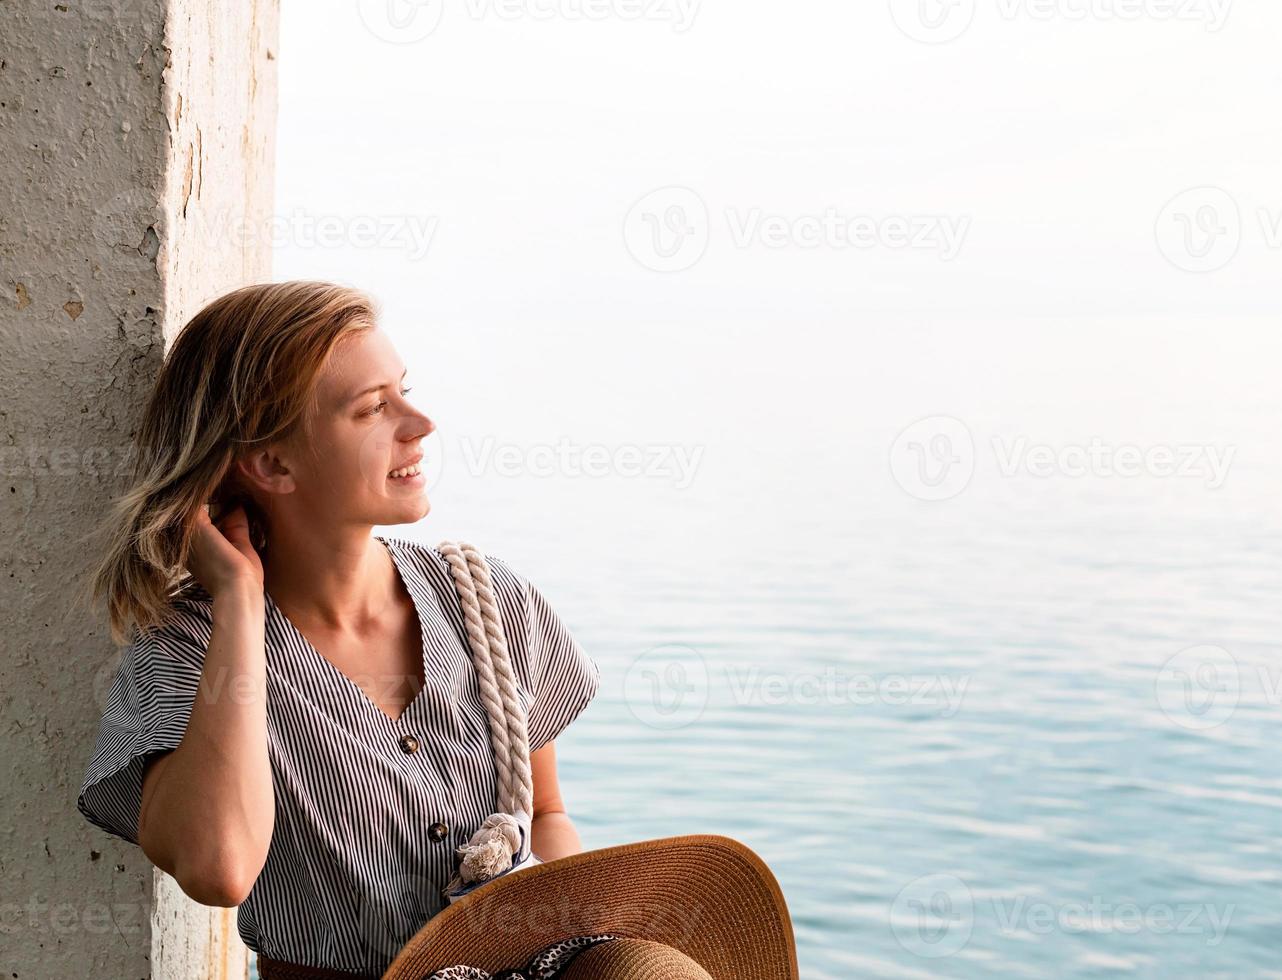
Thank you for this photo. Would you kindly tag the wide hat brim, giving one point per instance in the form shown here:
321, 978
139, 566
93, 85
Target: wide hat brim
709, 896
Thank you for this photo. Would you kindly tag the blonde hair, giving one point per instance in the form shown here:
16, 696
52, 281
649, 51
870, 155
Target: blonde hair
240, 373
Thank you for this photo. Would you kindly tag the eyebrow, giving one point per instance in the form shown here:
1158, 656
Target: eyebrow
351, 398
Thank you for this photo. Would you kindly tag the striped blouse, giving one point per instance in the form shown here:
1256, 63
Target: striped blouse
369, 810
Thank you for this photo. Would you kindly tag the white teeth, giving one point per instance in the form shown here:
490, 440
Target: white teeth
406, 471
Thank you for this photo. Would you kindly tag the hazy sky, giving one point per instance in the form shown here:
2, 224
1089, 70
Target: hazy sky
781, 231
1051, 139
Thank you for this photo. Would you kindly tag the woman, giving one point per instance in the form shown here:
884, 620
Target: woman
295, 727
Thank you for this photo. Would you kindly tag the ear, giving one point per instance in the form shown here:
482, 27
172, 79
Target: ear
262, 469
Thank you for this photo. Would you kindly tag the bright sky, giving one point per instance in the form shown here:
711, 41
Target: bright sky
770, 228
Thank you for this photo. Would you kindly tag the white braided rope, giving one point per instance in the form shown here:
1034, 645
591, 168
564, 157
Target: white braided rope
509, 736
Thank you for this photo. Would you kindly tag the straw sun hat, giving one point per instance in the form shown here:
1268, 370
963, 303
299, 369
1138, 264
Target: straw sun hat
695, 907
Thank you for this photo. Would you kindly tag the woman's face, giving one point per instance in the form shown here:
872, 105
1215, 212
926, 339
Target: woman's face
339, 469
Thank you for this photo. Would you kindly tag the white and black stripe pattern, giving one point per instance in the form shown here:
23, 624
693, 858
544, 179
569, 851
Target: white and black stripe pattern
352, 872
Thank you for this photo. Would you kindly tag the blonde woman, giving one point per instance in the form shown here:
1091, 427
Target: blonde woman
295, 726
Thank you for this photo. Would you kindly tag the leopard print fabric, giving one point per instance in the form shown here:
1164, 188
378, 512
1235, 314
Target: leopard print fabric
547, 964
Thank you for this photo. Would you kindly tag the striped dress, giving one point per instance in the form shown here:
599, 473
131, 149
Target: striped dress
369, 810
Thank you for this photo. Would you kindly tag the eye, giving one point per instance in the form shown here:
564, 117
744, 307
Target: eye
378, 409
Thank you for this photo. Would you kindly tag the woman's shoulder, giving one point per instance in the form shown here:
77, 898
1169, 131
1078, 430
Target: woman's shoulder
431, 558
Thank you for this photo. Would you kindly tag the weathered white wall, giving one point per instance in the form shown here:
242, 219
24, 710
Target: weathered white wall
136, 146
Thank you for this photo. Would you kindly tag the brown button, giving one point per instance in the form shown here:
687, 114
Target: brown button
409, 744
437, 831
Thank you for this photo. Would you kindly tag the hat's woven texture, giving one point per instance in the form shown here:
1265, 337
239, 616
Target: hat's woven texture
708, 896
636, 959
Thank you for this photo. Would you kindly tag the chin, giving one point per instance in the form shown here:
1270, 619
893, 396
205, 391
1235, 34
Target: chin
406, 512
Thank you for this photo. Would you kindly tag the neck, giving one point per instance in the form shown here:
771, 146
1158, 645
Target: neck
338, 579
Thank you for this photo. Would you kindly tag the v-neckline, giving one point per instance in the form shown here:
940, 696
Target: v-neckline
342, 678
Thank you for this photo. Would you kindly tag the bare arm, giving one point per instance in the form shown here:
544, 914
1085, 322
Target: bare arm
208, 808
552, 834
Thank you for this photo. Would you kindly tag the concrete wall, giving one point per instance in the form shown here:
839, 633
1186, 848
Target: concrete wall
136, 140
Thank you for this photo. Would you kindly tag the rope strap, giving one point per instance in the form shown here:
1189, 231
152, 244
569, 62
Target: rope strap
490, 851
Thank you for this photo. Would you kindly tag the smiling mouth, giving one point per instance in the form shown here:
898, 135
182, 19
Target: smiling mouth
405, 472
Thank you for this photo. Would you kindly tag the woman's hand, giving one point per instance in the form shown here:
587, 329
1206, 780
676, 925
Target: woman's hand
222, 557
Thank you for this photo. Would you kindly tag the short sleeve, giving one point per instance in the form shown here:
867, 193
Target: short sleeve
562, 677
147, 711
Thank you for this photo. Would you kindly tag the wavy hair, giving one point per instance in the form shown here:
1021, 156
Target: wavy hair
241, 373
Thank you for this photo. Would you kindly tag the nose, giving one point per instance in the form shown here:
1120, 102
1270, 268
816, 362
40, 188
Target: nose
420, 425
